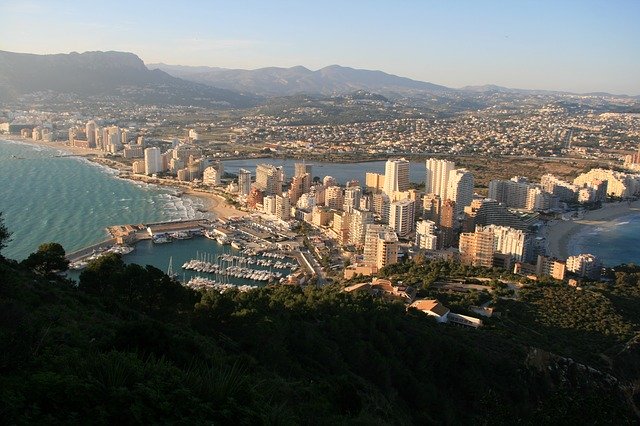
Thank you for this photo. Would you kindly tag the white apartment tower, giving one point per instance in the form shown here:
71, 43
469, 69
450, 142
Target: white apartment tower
426, 237
460, 188
437, 177
402, 217
334, 197
269, 179
514, 242
358, 226
396, 176
380, 246
351, 198
90, 130
152, 160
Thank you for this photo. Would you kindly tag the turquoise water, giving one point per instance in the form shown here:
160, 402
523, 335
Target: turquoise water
70, 200
614, 243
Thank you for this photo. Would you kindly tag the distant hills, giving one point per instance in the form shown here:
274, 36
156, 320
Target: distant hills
106, 74
331, 80
96, 75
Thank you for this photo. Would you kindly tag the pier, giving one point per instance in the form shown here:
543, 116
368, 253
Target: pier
259, 245
88, 251
131, 234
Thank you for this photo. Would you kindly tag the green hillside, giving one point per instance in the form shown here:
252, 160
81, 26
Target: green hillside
130, 345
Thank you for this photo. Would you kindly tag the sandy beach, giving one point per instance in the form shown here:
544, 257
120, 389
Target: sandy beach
62, 146
212, 203
215, 204
559, 233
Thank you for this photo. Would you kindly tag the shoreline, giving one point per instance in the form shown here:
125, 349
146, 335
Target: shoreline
213, 203
560, 234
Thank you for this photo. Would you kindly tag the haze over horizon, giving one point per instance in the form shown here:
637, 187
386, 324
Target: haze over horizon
586, 46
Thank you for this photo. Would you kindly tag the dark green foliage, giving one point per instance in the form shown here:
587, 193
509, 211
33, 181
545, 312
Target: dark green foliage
5, 235
130, 345
146, 289
49, 258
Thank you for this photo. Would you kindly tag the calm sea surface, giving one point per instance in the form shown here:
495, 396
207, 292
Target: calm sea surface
614, 243
342, 172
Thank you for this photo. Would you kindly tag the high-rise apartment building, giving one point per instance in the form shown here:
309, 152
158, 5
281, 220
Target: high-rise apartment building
490, 244
426, 237
358, 226
477, 248
374, 182
269, 179
619, 184
490, 212
380, 205
584, 265
437, 177
460, 188
90, 130
341, 227
565, 191
300, 169
269, 205
448, 224
328, 181
300, 184
152, 160
396, 176
431, 207
244, 182
381, 246
306, 201
402, 217
512, 193
351, 198
283, 207
334, 197
212, 174
513, 242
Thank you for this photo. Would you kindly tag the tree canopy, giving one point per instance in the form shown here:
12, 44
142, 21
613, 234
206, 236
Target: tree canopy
5, 235
49, 258
128, 344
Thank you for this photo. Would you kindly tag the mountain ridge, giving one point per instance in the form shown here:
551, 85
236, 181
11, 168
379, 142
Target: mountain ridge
213, 75
109, 73
280, 81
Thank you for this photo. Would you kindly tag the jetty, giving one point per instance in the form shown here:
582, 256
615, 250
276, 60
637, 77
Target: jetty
123, 235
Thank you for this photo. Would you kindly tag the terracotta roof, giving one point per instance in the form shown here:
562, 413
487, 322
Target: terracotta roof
430, 305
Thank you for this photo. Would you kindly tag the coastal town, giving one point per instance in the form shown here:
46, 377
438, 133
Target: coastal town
320, 213
353, 229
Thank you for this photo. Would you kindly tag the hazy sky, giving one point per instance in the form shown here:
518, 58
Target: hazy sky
579, 46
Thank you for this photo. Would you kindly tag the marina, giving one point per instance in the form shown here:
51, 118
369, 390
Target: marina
222, 252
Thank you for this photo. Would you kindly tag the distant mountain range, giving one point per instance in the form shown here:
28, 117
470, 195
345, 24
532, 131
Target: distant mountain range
119, 74
331, 80
124, 75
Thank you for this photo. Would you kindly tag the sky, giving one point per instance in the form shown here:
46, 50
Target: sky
579, 46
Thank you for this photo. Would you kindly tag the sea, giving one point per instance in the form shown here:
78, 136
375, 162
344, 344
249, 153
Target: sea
46, 195
613, 243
